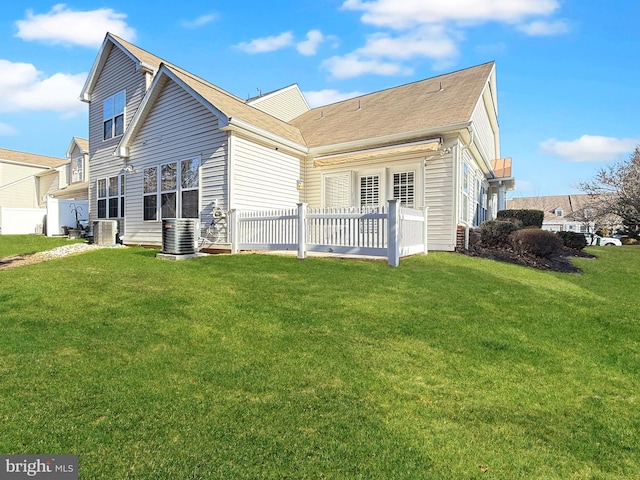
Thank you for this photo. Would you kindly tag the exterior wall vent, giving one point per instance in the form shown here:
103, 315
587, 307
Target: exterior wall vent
180, 235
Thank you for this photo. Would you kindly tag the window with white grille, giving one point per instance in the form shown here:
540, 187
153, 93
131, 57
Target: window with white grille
404, 188
370, 190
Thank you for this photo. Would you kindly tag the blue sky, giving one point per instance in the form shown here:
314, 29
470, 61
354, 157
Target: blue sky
568, 70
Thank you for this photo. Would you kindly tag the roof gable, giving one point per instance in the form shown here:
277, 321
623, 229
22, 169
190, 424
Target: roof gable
82, 145
286, 103
143, 60
436, 103
226, 107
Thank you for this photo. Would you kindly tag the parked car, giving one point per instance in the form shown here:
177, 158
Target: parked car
593, 239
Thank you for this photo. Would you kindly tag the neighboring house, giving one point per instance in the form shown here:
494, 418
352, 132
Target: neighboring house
164, 143
562, 213
28, 181
26, 178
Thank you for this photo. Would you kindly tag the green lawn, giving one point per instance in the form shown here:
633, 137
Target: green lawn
25, 244
254, 366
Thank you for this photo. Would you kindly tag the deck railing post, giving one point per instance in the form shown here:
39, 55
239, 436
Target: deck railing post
302, 230
393, 240
233, 225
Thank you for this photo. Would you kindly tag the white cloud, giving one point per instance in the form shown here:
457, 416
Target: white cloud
65, 26
590, 148
23, 87
319, 98
434, 29
383, 53
352, 65
7, 130
432, 42
267, 44
408, 13
199, 22
541, 28
310, 45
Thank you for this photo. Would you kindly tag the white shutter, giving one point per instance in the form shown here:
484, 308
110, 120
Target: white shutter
337, 189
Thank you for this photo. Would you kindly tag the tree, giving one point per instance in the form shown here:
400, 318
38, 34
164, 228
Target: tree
615, 190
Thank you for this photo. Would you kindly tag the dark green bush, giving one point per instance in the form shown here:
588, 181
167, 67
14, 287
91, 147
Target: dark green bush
496, 232
573, 240
529, 218
537, 242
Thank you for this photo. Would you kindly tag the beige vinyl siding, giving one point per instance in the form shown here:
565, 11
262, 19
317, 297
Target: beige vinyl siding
48, 185
439, 178
119, 73
177, 128
263, 177
24, 192
285, 104
485, 136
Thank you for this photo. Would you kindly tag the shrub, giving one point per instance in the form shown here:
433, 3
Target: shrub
529, 218
572, 240
496, 232
537, 242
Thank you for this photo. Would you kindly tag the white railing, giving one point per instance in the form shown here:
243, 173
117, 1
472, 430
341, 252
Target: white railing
392, 232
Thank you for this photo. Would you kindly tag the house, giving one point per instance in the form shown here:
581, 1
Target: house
562, 213
164, 143
28, 183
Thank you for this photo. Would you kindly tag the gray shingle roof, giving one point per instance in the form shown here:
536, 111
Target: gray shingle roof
31, 158
413, 107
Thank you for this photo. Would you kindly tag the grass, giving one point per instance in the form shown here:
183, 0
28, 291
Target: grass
254, 366
26, 244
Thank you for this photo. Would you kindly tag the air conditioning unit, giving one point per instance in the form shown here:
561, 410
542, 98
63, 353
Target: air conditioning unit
105, 232
180, 235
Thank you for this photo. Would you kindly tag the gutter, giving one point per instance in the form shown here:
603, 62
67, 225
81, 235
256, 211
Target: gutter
483, 155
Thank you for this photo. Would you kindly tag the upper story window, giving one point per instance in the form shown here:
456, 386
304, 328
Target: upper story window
113, 115
77, 169
559, 212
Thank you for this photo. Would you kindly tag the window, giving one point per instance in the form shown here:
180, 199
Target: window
168, 188
370, 191
337, 189
150, 193
465, 193
102, 198
404, 188
77, 170
189, 183
111, 197
559, 212
113, 115
174, 187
